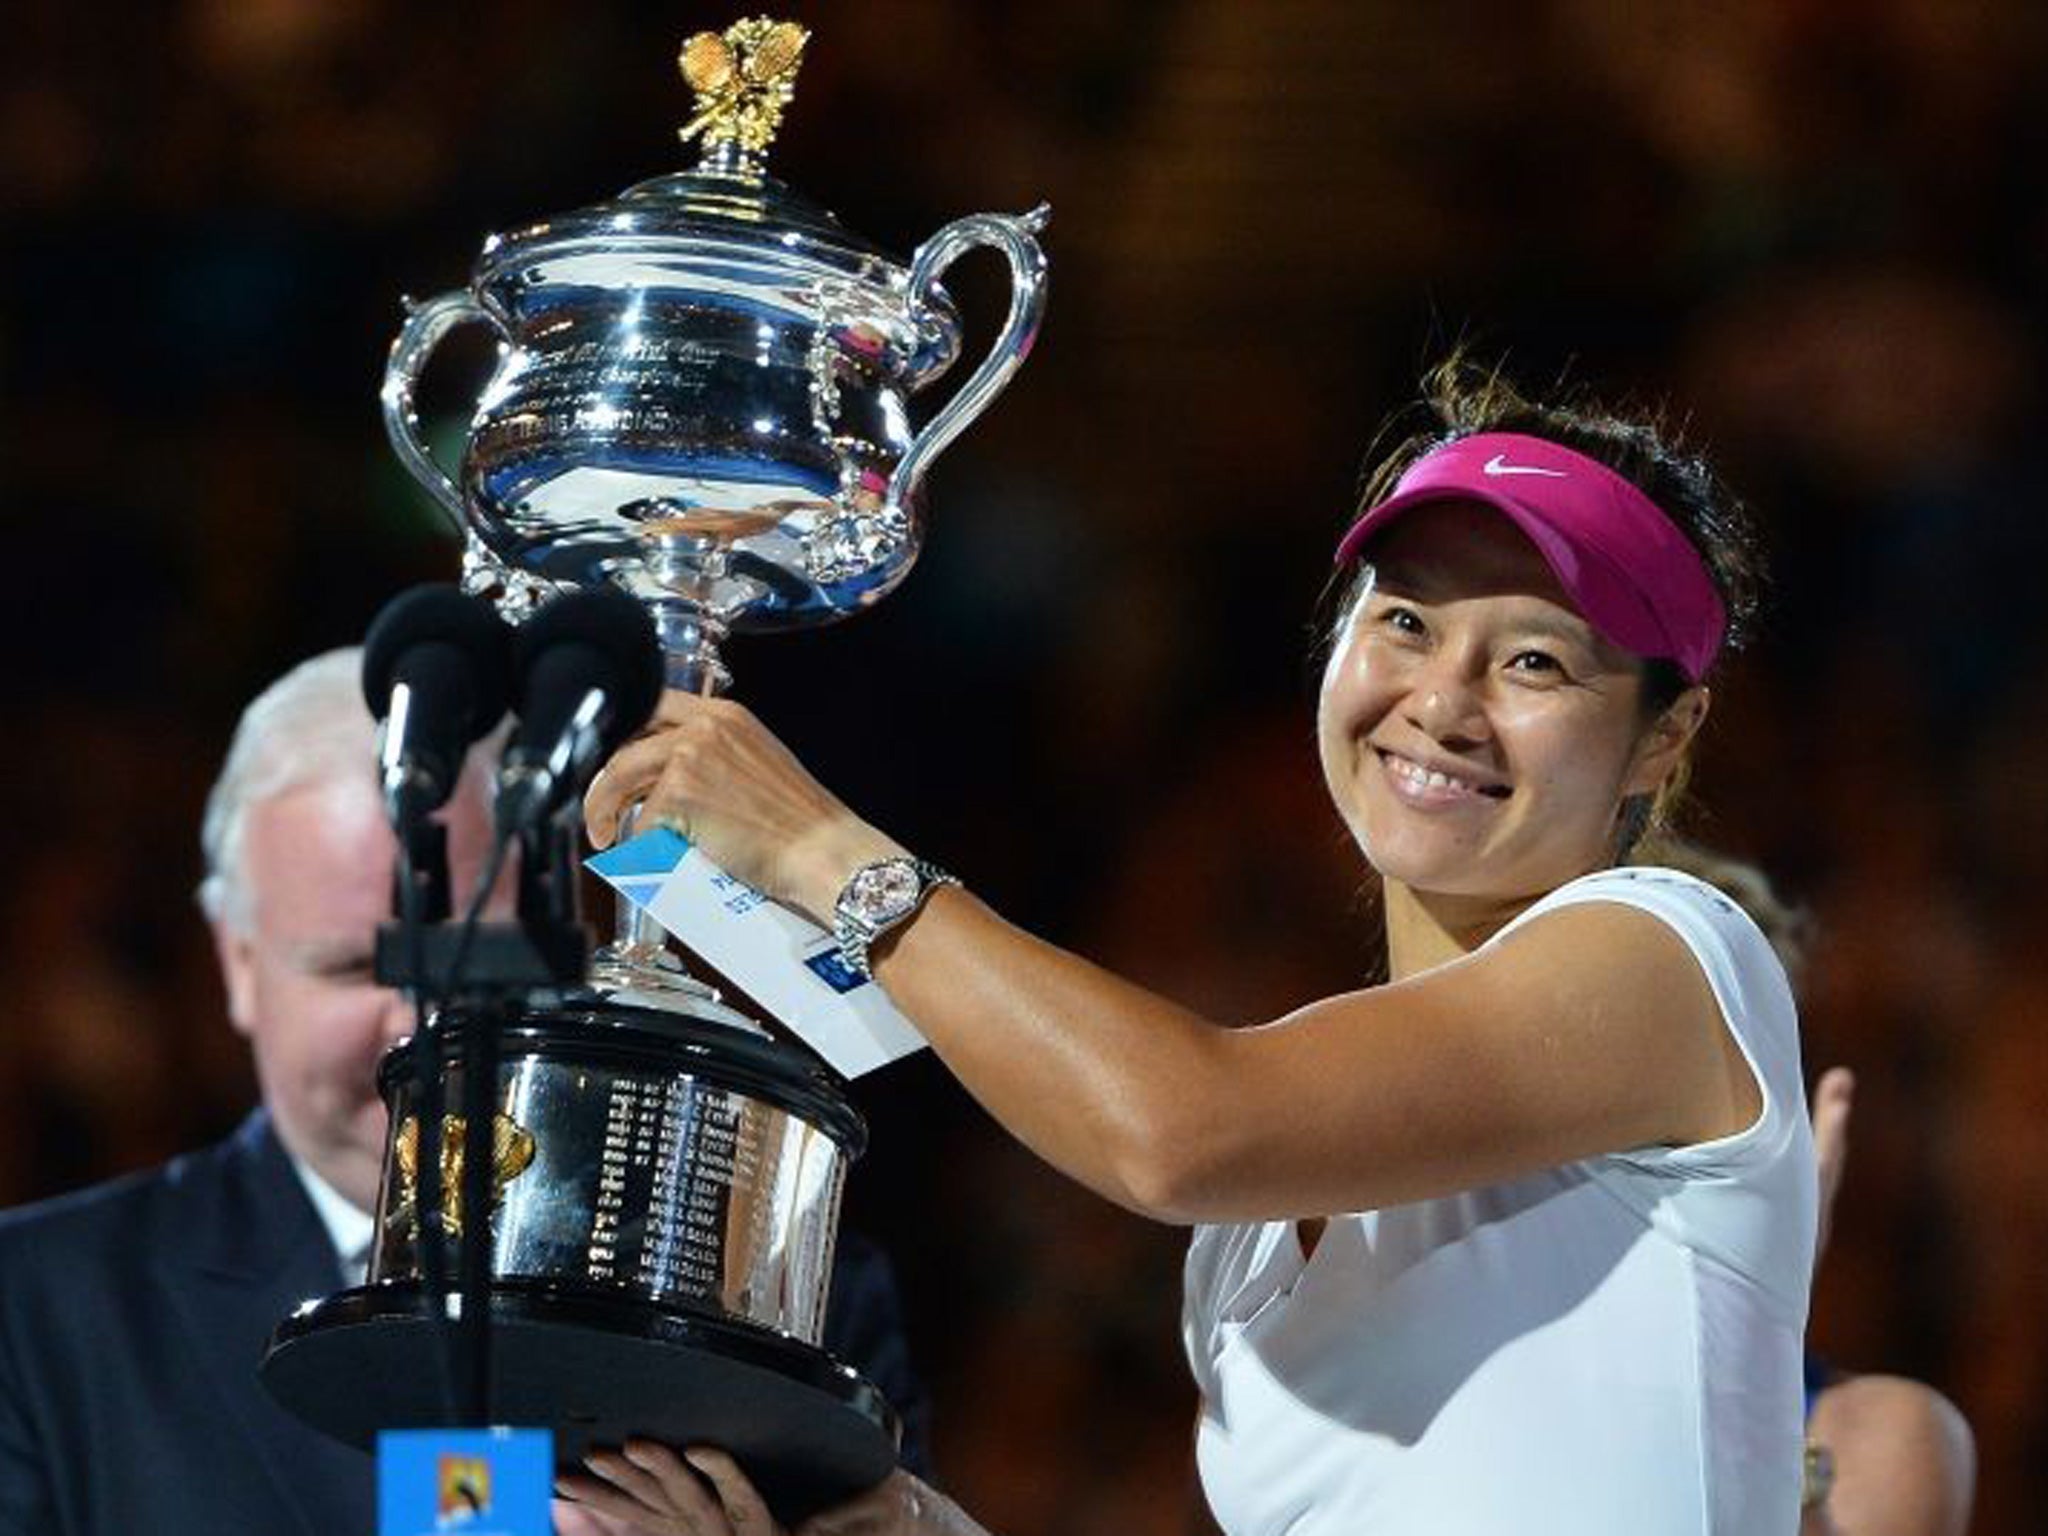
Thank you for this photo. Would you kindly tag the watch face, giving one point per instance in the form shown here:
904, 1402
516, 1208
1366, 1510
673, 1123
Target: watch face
884, 892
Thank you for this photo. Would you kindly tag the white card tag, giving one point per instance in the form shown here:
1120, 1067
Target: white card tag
786, 963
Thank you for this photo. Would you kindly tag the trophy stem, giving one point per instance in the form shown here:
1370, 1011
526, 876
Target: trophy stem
638, 955
639, 958
690, 638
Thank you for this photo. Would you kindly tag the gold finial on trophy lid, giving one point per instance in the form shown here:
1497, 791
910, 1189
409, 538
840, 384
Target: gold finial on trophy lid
743, 78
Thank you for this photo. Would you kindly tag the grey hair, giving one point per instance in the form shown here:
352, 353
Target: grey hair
311, 726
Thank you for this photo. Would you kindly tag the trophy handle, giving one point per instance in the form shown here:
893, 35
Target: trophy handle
1013, 237
425, 325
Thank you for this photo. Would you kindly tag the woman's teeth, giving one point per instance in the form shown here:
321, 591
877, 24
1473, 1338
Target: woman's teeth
1433, 779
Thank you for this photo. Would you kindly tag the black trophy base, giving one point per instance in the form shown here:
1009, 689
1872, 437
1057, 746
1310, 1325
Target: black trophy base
596, 1369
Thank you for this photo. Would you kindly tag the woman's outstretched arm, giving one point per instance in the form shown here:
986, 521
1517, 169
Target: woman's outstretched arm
1589, 1030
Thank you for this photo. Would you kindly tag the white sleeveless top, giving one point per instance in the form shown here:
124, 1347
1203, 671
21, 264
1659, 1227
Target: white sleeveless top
1608, 1348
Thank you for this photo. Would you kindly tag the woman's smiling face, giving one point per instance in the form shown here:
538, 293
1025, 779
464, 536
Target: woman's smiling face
1477, 734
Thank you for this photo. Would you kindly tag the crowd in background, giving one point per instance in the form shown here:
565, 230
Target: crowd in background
1819, 228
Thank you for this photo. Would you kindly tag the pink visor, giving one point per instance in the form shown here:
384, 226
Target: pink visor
1634, 577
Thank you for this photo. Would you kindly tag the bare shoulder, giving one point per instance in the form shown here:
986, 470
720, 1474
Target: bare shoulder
1602, 942
1905, 1460
1626, 975
1631, 981
1587, 1030
1655, 914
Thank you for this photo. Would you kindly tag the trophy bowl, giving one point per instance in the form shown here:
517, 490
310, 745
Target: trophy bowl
703, 392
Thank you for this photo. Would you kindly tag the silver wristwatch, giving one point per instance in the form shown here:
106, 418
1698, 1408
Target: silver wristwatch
876, 898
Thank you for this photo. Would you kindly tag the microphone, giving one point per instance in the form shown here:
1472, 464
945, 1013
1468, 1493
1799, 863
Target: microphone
587, 672
437, 673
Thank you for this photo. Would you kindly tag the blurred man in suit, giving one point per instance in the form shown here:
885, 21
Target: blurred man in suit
133, 1315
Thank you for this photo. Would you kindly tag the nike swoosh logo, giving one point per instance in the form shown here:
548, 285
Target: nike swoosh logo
1498, 465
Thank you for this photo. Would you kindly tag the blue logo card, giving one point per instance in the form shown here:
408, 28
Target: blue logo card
637, 867
465, 1482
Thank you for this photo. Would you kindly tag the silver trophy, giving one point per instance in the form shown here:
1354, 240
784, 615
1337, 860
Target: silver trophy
703, 386
702, 396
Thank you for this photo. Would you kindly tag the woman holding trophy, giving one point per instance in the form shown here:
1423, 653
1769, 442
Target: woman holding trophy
1518, 1240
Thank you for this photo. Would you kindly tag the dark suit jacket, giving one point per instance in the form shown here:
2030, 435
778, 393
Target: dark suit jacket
132, 1318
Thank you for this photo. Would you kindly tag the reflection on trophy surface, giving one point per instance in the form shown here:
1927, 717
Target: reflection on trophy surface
703, 386
702, 396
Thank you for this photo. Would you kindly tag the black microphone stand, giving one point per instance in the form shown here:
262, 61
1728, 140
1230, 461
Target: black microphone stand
477, 973
422, 902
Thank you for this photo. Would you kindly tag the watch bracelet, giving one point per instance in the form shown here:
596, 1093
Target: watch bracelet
855, 941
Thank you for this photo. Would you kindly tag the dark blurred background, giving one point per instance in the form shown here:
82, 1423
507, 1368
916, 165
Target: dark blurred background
1816, 227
